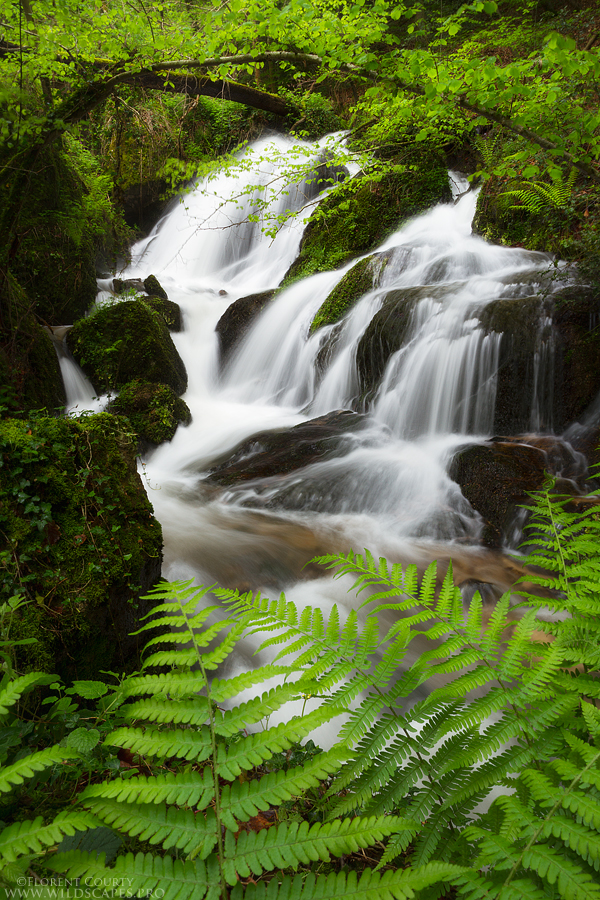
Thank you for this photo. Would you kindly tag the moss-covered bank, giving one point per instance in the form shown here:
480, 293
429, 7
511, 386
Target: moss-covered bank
362, 277
79, 542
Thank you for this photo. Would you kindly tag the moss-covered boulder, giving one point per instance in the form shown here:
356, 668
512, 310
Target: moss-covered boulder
80, 543
362, 277
237, 318
154, 411
362, 212
124, 342
154, 288
168, 309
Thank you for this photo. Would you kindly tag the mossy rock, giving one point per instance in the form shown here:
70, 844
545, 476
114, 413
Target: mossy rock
499, 221
54, 254
154, 288
362, 212
168, 309
362, 277
385, 335
154, 411
124, 342
82, 545
237, 319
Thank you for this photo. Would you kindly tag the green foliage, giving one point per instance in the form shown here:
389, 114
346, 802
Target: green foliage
447, 704
537, 198
154, 410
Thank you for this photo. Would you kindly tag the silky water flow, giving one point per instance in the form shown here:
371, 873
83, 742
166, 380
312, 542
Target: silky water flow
389, 491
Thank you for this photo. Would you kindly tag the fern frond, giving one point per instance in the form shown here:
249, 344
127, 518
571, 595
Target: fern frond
26, 837
12, 691
185, 788
289, 845
166, 825
390, 885
181, 742
145, 874
35, 762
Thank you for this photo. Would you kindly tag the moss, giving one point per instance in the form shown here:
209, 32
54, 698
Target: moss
553, 229
169, 311
124, 342
54, 258
362, 212
154, 411
237, 319
81, 541
362, 277
153, 287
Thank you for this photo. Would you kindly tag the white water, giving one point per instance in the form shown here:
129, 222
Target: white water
392, 489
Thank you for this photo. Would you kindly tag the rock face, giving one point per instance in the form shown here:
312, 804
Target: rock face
359, 215
496, 477
577, 330
84, 544
272, 453
237, 319
154, 411
362, 277
124, 342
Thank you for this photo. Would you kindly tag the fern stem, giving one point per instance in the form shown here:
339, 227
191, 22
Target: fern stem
558, 803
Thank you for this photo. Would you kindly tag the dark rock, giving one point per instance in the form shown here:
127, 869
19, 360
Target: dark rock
170, 311
154, 411
359, 215
325, 176
237, 318
153, 287
271, 453
362, 277
497, 476
120, 285
125, 341
577, 365
385, 335
526, 342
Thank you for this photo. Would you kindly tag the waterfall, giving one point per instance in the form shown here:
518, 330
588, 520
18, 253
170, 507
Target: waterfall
390, 490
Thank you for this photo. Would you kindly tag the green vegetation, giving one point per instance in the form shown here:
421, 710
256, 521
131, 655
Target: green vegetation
124, 341
362, 277
78, 541
154, 410
209, 811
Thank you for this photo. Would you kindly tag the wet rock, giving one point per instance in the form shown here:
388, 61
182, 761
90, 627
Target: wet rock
384, 336
362, 277
271, 453
326, 174
124, 342
120, 285
154, 411
359, 215
526, 345
577, 331
153, 287
237, 318
143, 203
496, 477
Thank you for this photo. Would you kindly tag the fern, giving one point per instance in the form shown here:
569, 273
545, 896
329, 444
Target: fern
536, 197
426, 736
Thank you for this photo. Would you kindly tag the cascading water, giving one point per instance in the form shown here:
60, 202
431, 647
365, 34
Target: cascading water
389, 490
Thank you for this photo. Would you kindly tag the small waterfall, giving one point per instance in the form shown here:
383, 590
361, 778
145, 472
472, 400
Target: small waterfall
79, 391
389, 490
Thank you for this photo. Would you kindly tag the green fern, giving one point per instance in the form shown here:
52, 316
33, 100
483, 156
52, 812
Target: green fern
536, 197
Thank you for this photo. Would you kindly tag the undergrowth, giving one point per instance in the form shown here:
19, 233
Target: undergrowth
220, 799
